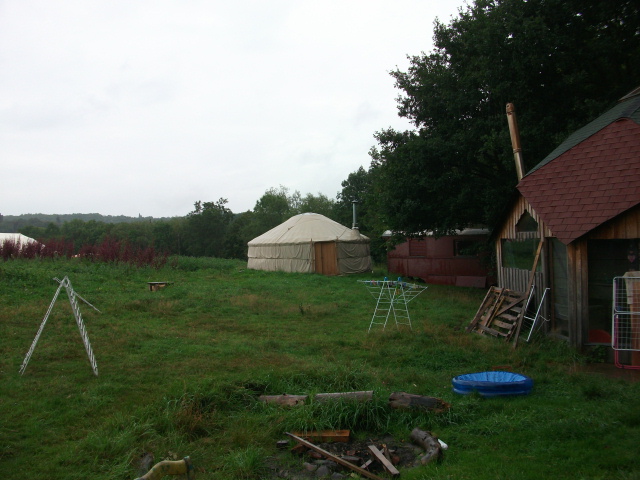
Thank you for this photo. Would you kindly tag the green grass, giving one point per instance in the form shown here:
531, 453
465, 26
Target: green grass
181, 370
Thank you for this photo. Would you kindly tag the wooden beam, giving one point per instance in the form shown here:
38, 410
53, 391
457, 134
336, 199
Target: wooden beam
325, 435
532, 276
388, 466
332, 457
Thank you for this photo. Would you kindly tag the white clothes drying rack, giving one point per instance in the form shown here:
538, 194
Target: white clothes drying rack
392, 297
73, 296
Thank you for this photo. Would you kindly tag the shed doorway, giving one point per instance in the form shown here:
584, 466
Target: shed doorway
326, 258
607, 259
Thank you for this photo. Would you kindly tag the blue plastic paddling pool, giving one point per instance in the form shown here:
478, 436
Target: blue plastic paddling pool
492, 384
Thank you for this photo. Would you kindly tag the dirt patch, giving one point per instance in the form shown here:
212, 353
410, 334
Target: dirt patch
308, 464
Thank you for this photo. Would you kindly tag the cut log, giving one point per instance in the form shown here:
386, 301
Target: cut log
338, 460
286, 400
430, 444
402, 400
293, 400
379, 456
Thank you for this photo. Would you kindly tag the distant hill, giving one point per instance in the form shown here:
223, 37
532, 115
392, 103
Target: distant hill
12, 223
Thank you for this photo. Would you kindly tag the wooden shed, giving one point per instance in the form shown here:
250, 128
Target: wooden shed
583, 199
461, 259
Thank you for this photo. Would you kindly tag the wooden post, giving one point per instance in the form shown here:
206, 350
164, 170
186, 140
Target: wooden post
532, 277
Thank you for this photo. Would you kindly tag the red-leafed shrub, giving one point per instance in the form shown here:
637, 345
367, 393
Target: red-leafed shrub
110, 250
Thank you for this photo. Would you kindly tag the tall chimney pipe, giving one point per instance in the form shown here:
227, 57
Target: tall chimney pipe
515, 139
354, 225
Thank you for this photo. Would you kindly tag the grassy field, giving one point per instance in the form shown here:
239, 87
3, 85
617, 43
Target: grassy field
181, 369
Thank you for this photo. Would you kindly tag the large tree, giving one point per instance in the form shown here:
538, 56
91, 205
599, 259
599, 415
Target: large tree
207, 228
561, 62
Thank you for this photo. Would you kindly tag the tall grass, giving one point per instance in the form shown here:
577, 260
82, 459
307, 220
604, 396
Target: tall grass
181, 370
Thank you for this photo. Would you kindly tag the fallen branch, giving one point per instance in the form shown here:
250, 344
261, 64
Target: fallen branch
286, 400
430, 444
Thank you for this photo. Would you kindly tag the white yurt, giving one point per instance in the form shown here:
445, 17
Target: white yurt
310, 242
16, 238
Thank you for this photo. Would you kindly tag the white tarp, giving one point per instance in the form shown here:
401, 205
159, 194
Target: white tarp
290, 246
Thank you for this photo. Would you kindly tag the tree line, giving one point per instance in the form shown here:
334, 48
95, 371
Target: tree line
561, 62
210, 229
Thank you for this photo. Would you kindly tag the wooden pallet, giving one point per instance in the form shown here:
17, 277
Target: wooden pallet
499, 314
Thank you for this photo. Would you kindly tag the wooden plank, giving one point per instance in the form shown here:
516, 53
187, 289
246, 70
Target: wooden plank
513, 303
325, 435
497, 305
388, 466
366, 464
532, 277
498, 323
490, 299
481, 309
338, 460
491, 331
507, 317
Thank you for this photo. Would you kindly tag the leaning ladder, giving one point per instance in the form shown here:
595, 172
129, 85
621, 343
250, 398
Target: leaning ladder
73, 296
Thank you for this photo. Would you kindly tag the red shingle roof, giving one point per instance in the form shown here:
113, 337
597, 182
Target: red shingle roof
588, 184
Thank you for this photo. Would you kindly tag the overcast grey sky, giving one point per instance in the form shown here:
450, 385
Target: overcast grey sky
144, 107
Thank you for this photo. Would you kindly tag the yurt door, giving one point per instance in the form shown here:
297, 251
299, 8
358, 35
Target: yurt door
326, 258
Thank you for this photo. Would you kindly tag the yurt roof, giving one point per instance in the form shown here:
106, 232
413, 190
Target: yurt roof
308, 227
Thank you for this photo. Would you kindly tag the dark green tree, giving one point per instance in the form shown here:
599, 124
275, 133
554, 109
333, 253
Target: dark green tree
561, 62
273, 208
319, 203
241, 230
207, 228
356, 188
83, 233
359, 187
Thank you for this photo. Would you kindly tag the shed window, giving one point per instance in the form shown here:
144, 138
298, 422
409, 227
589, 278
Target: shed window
520, 253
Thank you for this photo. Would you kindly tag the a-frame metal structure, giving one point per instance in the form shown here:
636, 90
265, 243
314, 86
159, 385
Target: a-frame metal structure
73, 296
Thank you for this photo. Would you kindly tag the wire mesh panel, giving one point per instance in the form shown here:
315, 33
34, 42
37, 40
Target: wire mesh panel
626, 318
392, 298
